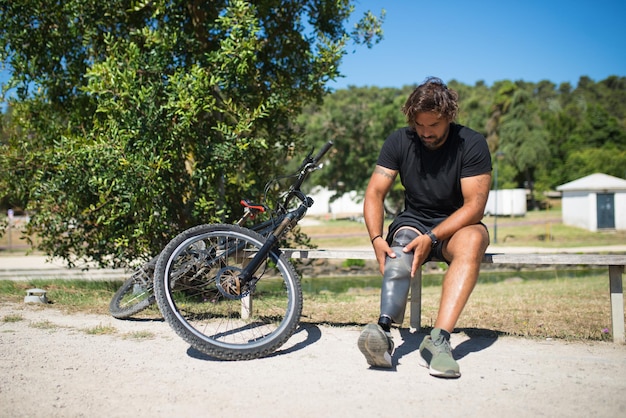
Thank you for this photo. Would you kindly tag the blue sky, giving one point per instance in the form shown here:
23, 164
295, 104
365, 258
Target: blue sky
491, 40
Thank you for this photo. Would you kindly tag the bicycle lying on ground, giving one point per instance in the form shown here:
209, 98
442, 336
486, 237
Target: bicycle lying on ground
228, 290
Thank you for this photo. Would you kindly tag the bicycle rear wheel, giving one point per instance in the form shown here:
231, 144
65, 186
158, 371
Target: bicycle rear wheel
198, 290
135, 294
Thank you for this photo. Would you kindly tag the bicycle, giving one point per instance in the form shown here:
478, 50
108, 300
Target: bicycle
137, 292
228, 290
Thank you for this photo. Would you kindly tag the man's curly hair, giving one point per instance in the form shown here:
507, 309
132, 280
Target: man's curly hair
431, 96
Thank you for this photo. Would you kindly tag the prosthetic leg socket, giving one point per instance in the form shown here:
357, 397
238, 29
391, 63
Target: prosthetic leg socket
397, 278
396, 283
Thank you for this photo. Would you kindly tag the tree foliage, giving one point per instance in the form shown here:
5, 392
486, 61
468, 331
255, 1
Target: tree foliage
133, 120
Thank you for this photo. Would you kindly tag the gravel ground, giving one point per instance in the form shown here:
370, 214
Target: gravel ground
55, 365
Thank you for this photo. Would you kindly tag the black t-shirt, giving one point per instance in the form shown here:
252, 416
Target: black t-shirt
432, 179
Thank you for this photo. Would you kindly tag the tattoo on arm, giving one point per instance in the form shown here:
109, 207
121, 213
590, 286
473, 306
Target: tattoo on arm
384, 173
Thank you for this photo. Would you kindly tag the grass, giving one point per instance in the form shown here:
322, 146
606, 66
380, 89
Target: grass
69, 295
570, 308
139, 335
12, 318
101, 330
44, 325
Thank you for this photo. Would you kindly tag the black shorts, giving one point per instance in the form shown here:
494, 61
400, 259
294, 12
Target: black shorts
436, 252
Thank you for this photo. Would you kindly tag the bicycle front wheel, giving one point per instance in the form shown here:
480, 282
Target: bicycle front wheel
198, 290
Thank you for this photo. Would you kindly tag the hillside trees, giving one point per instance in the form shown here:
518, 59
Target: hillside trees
133, 120
586, 131
355, 119
474, 105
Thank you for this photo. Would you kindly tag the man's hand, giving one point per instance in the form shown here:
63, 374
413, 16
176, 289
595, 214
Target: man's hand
421, 248
382, 250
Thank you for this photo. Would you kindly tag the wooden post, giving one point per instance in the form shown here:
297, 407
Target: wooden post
617, 303
416, 301
246, 307
246, 301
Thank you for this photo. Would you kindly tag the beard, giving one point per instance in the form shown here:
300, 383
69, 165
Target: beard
434, 142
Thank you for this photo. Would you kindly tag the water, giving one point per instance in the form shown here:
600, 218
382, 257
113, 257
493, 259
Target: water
344, 283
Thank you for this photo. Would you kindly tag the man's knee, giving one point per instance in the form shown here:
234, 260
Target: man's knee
468, 243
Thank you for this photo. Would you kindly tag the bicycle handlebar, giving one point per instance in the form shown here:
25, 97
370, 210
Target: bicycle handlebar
323, 151
308, 165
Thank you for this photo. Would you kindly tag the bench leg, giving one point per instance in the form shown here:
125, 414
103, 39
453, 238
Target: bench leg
246, 307
246, 301
617, 303
416, 301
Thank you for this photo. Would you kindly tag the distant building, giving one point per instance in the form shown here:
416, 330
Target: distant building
349, 204
506, 202
594, 202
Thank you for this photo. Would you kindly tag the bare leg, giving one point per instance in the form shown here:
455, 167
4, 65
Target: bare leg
465, 250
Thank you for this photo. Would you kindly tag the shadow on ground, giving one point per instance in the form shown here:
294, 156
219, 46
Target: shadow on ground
479, 339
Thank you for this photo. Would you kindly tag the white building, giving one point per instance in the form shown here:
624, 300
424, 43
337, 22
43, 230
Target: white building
347, 205
597, 201
506, 202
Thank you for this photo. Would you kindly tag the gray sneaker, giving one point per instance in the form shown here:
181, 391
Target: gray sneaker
376, 345
437, 356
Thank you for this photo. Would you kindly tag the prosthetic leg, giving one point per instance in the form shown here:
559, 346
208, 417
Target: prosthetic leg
396, 280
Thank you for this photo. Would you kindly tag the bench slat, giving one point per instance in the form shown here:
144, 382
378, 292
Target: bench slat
490, 258
549, 259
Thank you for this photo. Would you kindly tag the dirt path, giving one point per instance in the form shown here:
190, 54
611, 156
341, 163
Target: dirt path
54, 365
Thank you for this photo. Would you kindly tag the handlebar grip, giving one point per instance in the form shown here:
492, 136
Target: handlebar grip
323, 151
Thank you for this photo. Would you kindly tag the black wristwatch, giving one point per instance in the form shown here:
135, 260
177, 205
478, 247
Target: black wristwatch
432, 237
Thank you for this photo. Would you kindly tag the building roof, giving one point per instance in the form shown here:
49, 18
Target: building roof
594, 182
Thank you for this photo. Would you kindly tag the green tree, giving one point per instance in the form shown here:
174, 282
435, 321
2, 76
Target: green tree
136, 119
504, 91
523, 140
586, 131
541, 127
473, 105
611, 161
358, 120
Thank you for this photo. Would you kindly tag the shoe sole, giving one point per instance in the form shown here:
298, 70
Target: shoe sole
374, 348
448, 374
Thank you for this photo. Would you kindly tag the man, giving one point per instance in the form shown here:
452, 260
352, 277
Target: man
445, 169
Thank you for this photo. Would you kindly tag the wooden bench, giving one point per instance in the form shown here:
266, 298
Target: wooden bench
615, 264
